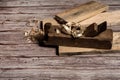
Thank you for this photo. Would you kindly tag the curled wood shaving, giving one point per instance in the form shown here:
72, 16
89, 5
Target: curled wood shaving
35, 33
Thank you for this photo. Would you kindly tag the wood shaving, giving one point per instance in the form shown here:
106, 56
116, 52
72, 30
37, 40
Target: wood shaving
34, 34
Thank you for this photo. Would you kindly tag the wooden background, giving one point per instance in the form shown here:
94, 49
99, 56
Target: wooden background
20, 60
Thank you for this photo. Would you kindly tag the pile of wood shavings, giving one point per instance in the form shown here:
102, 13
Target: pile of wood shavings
34, 34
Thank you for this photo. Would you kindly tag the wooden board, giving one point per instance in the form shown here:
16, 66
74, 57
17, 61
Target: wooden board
80, 12
83, 11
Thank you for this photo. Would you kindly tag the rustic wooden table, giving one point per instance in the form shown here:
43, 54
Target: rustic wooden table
20, 60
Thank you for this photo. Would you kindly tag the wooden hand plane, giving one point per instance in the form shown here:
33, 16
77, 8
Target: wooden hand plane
94, 36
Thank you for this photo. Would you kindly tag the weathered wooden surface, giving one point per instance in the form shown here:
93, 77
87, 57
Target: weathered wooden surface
20, 60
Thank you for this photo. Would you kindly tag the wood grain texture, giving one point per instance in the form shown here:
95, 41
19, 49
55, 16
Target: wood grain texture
20, 60
83, 11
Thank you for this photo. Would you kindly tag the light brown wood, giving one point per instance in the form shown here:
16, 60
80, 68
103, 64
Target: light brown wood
112, 18
83, 11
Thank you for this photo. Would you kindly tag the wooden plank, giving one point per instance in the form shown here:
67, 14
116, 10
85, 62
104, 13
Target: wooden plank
111, 17
51, 3
113, 8
10, 26
27, 50
94, 67
47, 74
31, 10
40, 10
22, 17
80, 62
83, 11
34, 3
